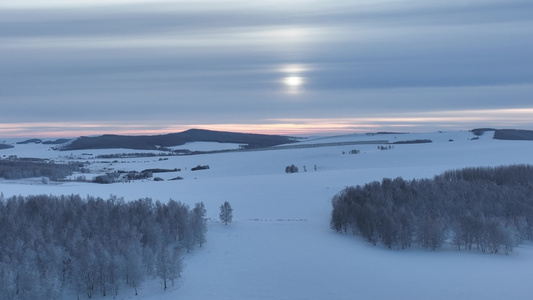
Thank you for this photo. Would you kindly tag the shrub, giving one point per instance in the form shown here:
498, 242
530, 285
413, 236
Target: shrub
199, 167
291, 169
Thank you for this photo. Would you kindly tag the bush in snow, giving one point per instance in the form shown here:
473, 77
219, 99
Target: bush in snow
291, 169
199, 167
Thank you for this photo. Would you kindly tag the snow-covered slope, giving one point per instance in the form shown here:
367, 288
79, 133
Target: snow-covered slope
280, 245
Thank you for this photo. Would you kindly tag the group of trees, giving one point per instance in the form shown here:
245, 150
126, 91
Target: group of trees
21, 168
122, 176
488, 209
52, 244
291, 169
294, 169
118, 176
5, 146
107, 178
385, 147
200, 167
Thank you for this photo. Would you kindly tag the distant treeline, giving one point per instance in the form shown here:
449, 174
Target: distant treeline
56, 245
506, 134
159, 170
121, 176
39, 141
6, 146
131, 155
489, 209
25, 168
513, 134
420, 141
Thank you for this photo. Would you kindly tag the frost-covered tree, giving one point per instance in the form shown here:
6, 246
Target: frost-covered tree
199, 223
133, 268
169, 265
484, 209
90, 247
226, 213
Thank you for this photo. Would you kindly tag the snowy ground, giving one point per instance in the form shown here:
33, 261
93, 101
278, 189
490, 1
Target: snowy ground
280, 245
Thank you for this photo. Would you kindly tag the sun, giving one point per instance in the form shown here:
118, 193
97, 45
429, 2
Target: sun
293, 81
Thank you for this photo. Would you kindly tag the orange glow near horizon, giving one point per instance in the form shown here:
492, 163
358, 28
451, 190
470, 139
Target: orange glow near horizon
417, 122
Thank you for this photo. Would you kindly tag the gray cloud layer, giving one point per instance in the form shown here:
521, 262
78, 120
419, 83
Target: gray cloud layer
185, 64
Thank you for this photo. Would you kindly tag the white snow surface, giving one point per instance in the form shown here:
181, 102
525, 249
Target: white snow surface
280, 246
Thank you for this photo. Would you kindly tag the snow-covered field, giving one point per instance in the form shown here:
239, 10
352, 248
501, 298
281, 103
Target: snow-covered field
279, 245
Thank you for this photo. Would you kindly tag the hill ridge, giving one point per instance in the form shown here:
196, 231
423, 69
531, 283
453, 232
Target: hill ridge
158, 142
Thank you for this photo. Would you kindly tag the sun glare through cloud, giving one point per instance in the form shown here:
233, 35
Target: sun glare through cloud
293, 80
293, 84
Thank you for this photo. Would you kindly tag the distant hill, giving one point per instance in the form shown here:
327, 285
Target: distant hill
154, 142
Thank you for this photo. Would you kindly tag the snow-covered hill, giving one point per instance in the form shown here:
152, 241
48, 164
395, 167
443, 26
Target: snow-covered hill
280, 245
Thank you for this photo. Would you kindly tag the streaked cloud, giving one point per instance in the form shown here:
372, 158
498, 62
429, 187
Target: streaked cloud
174, 64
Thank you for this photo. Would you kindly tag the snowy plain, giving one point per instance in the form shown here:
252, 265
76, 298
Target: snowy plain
280, 246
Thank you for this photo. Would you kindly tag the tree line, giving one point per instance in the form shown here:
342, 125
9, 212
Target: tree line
20, 168
52, 245
489, 209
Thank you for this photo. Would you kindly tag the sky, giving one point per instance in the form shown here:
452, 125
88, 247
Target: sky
296, 67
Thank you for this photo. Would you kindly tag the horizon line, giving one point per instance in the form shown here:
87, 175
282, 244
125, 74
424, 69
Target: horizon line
457, 120
245, 129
